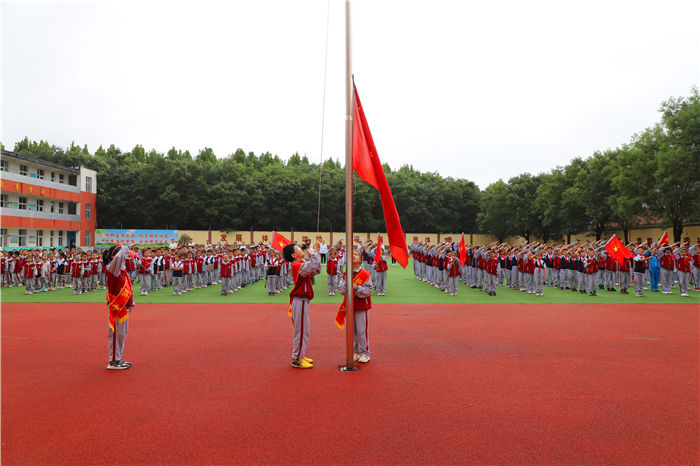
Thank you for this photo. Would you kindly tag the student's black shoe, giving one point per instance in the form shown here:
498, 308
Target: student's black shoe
119, 365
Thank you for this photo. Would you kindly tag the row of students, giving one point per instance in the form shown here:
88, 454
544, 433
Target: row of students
190, 268
49, 270
575, 267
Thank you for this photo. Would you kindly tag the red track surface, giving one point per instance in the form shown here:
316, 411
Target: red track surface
447, 384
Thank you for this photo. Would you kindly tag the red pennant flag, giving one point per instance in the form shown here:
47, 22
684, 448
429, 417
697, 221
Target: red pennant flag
279, 241
366, 163
462, 251
664, 239
618, 250
378, 253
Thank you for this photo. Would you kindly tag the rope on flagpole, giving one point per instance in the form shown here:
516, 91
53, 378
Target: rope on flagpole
323, 121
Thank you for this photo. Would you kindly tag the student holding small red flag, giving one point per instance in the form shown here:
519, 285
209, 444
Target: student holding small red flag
362, 303
278, 242
380, 266
617, 250
462, 251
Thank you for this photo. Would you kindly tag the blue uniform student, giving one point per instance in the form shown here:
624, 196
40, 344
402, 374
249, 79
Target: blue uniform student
654, 268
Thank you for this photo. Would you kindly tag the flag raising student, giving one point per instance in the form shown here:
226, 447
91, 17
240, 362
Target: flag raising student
299, 298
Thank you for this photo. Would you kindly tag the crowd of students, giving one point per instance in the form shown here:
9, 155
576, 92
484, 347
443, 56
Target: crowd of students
183, 268
585, 268
41, 270
577, 267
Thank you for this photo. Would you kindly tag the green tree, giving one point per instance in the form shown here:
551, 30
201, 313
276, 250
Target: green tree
494, 217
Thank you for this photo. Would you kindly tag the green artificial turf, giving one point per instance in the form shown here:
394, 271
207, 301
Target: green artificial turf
402, 287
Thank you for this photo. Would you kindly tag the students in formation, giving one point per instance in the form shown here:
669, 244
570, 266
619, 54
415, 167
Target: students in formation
584, 268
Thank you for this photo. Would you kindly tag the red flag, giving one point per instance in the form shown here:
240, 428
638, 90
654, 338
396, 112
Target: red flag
462, 251
618, 250
378, 253
664, 239
366, 163
278, 241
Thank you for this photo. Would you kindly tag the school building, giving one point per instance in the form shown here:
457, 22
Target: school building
46, 205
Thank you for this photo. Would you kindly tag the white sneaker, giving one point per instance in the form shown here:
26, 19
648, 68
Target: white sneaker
684, 294
363, 358
355, 356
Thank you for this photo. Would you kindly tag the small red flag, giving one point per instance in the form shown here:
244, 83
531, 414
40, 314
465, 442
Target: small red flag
664, 239
462, 251
366, 163
279, 241
618, 250
378, 253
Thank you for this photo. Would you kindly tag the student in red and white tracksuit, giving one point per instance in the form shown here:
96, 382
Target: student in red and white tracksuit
453, 273
380, 272
683, 261
695, 254
300, 296
362, 303
332, 272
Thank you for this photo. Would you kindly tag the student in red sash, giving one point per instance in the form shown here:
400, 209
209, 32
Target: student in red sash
120, 299
299, 299
362, 302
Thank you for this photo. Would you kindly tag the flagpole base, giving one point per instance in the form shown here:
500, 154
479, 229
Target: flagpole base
349, 369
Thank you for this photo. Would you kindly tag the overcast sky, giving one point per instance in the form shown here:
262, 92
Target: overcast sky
475, 90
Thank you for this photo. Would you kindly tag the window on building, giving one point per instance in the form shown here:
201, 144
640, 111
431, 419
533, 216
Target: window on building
4, 166
88, 211
53, 176
72, 208
22, 237
40, 174
60, 237
88, 184
88, 237
22, 203
52, 207
40, 205
60, 207
4, 201
73, 180
61, 178
50, 238
40, 238
23, 170
3, 235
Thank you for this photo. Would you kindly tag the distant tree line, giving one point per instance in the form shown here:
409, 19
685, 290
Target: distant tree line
653, 178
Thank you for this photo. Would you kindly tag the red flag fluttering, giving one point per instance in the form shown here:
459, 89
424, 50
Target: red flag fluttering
278, 241
462, 251
366, 163
664, 239
618, 250
378, 253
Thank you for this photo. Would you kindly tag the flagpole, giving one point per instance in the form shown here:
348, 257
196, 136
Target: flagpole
349, 244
